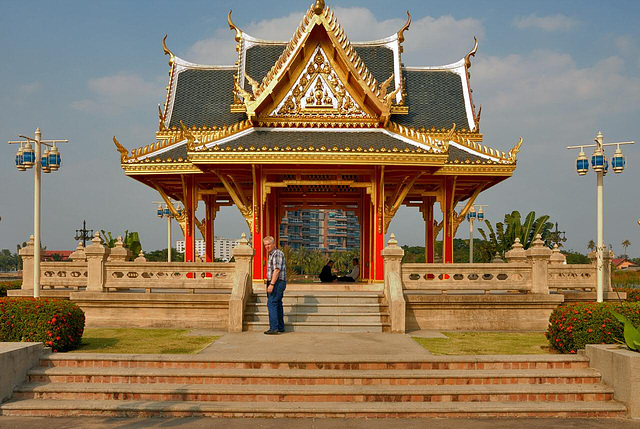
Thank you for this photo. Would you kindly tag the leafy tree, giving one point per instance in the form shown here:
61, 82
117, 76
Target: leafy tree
574, 257
591, 245
161, 256
625, 244
8, 260
505, 233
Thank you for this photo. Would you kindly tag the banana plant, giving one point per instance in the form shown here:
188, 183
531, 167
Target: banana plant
631, 333
501, 240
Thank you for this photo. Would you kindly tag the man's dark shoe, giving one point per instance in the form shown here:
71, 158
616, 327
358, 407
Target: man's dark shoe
280, 331
270, 332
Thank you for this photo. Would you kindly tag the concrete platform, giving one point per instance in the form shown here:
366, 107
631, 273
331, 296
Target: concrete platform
316, 346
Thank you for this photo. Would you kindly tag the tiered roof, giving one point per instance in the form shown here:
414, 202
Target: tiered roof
318, 98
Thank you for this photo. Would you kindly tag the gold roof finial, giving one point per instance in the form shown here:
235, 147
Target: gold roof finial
318, 7
472, 53
233, 27
124, 153
513, 152
405, 28
166, 50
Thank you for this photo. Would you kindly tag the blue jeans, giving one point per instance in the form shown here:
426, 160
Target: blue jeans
274, 305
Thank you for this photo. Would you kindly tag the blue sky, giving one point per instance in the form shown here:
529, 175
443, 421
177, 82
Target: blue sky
553, 72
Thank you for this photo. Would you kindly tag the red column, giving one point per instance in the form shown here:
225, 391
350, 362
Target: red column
190, 207
210, 209
429, 240
378, 228
447, 229
257, 233
365, 237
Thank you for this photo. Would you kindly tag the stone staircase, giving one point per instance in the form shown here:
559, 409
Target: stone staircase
331, 308
197, 385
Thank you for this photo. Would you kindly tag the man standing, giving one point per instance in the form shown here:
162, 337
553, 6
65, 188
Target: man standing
276, 284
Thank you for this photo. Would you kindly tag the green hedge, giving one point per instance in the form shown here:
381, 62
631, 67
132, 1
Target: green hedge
59, 324
573, 326
8, 285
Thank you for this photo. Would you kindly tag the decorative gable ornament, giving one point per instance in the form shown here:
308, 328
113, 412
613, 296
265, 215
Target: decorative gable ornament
318, 92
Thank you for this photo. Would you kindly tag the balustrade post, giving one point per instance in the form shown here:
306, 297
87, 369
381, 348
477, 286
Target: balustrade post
606, 267
242, 283
140, 259
96, 254
393, 289
78, 255
27, 255
517, 253
557, 258
119, 253
539, 255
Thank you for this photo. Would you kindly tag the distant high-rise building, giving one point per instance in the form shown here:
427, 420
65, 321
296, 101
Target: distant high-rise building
324, 229
222, 247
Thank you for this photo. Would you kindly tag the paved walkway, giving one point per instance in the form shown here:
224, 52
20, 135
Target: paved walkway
207, 423
315, 346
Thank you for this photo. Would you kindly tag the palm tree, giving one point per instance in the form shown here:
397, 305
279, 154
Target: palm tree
591, 245
625, 244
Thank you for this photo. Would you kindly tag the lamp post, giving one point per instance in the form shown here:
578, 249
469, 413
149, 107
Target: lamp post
84, 234
49, 161
558, 237
166, 212
471, 217
600, 165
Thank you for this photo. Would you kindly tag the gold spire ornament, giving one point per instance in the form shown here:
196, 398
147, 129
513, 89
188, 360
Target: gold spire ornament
318, 7
167, 51
124, 153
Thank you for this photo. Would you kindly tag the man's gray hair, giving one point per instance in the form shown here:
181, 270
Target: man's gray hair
268, 239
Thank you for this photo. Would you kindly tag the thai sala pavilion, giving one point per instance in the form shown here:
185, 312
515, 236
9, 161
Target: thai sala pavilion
319, 122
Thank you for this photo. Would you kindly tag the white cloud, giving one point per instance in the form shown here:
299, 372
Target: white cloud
546, 23
429, 41
118, 93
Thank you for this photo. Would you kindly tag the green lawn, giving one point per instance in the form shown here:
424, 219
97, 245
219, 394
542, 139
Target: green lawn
486, 343
148, 341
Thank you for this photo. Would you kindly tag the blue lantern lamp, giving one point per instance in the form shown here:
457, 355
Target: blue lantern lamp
28, 156
480, 214
54, 158
582, 163
471, 216
20, 160
618, 161
44, 162
159, 211
598, 160
166, 212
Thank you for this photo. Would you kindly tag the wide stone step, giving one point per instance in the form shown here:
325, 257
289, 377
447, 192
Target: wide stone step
339, 318
318, 393
253, 307
313, 376
137, 408
320, 326
351, 362
327, 299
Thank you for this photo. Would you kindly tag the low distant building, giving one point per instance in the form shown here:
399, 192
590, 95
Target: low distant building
56, 255
222, 248
623, 263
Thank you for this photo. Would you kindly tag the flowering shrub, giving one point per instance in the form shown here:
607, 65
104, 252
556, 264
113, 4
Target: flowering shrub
633, 294
573, 326
8, 285
59, 324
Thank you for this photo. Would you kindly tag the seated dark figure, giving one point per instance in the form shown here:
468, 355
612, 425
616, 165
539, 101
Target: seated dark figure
354, 274
326, 276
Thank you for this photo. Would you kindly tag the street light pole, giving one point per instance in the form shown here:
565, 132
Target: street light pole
600, 165
84, 234
169, 214
168, 238
471, 217
26, 158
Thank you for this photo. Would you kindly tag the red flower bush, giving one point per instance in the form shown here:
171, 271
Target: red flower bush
573, 326
633, 295
57, 323
9, 285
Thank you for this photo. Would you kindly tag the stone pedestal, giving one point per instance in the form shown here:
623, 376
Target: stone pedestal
242, 284
393, 290
96, 256
538, 255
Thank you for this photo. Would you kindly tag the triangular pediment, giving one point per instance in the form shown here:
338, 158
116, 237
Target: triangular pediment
319, 71
318, 92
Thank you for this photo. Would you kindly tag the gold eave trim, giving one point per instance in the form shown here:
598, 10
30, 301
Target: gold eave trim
477, 170
159, 168
353, 158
